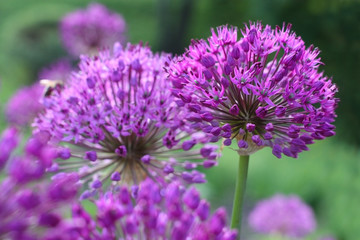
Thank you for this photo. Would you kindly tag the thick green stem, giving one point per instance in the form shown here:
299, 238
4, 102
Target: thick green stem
239, 193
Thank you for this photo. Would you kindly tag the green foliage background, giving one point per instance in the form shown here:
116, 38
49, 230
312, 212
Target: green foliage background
327, 177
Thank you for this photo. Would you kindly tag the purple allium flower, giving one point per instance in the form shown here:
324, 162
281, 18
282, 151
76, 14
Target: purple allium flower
30, 204
285, 215
86, 31
24, 105
172, 212
264, 89
59, 70
120, 115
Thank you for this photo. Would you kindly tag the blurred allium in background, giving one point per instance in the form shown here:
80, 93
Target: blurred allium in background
285, 215
59, 71
153, 212
86, 31
264, 89
31, 206
25, 105
121, 119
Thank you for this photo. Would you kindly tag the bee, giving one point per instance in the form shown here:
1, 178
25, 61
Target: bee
50, 86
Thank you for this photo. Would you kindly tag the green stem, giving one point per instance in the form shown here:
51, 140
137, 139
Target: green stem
239, 193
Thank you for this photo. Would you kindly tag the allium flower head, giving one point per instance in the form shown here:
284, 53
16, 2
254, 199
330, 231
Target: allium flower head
86, 31
30, 205
120, 115
285, 215
264, 88
152, 212
24, 105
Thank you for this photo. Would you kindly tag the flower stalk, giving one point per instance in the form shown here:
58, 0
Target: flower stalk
240, 188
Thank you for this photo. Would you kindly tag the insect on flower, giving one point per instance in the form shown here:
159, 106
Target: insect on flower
50, 86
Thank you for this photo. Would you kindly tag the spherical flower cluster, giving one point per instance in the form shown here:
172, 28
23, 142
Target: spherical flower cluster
30, 205
120, 117
285, 215
153, 212
24, 105
263, 89
86, 31
58, 71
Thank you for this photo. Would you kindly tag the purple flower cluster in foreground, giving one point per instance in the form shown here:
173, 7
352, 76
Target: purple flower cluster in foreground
153, 212
285, 215
86, 31
264, 89
119, 114
30, 205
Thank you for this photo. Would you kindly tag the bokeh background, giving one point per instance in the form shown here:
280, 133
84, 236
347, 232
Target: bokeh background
327, 177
